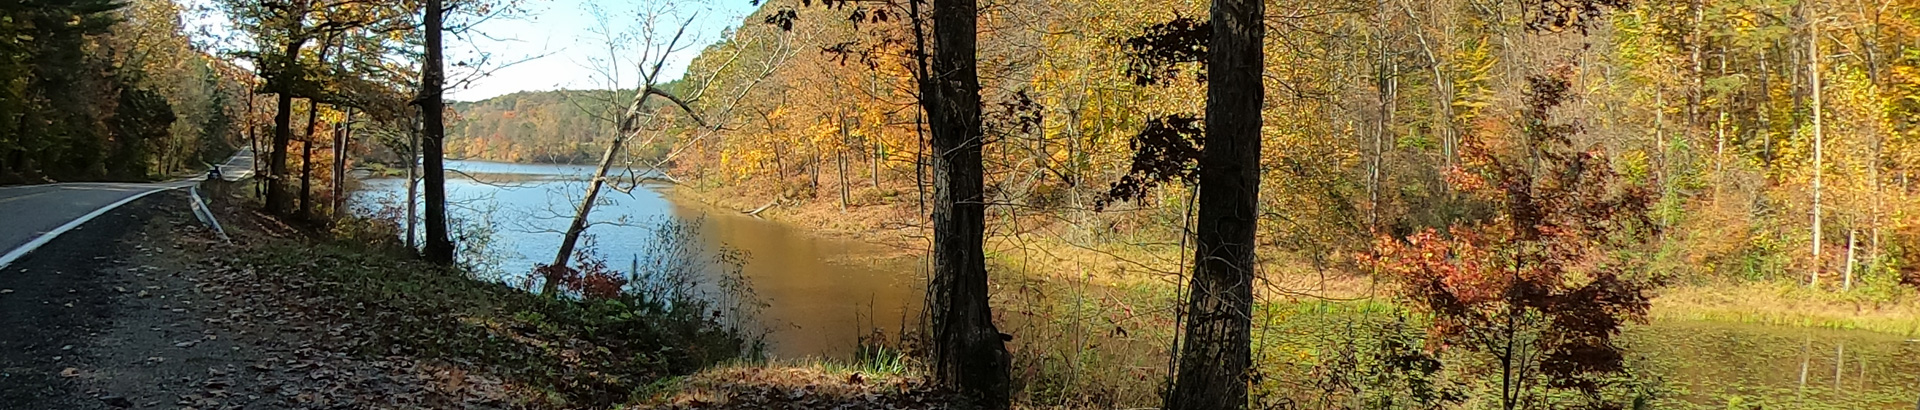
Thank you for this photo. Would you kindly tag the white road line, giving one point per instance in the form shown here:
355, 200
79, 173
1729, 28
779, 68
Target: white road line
48, 237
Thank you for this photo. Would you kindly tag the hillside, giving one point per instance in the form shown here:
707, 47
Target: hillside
531, 126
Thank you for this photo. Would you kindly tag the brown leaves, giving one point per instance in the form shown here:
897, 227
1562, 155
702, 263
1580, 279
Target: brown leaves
798, 388
1168, 149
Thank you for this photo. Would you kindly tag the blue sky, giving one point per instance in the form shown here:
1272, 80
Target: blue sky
553, 41
559, 36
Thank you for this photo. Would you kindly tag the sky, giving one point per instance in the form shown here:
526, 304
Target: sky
555, 44
552, 44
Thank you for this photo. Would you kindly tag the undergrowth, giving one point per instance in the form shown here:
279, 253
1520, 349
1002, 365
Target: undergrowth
564, 352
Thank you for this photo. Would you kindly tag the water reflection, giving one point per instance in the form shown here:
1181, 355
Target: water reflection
819, 300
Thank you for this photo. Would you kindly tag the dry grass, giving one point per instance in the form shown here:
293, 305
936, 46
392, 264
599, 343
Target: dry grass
795, 385
1787, 305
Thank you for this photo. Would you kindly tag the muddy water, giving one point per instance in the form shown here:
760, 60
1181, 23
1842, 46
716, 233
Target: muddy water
1713, 365
820, 293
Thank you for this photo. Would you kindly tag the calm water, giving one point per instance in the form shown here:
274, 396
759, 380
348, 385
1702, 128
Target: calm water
819, 301
1710, 365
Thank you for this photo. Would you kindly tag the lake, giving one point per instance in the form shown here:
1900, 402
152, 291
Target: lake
820, 300
824, 293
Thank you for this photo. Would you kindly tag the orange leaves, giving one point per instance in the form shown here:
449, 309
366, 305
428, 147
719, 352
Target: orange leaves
592, 280
1455, 272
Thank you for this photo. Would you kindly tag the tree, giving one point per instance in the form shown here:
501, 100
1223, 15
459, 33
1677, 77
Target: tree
640, 114
1813, 74
629, 125
281, 30
970, 354
439, 247
1543, 286
1215, 357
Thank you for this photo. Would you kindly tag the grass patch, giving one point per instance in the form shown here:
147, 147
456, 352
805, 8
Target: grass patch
1784, 304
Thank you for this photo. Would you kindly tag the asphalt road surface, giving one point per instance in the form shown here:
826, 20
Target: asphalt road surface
33, 215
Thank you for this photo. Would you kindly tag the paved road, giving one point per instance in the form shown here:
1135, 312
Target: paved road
32, 215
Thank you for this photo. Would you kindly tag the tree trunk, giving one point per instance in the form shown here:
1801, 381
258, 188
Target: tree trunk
413, 185
1813, 76
253, 141
1766, 120
1846, 281
970, 354
551, 283
276, 199
306, 160
439, 247
840, 162
846, 192
920, 161
1215, 358
341, 136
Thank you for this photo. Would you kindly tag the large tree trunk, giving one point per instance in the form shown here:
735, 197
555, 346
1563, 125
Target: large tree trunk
970, 354
1215, 357
276, 200
439, 247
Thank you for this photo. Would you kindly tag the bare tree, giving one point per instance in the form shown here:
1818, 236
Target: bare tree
638, 117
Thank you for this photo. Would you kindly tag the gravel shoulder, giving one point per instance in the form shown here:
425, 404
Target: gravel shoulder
141, 308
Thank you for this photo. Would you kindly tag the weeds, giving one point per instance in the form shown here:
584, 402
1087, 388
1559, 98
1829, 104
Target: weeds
569, 352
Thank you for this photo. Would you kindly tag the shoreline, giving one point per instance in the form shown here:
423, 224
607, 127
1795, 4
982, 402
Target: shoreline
1763, 303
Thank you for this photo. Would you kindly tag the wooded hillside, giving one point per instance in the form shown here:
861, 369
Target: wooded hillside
108, 90
533, 126
1742, 116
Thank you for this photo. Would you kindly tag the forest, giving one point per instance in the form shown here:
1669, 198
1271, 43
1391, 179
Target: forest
99, 90
1179, 204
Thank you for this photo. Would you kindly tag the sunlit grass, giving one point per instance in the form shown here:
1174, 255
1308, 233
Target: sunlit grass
1785, 304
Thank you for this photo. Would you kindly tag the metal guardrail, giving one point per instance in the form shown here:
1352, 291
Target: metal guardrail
205, 214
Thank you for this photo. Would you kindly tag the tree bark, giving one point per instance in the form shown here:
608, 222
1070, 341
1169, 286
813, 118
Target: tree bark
970, 354
413, 185
253, 141
551, 283
1813, 76
439, 248
306, 160
840, 161
341, 136
1215, 358
282, 132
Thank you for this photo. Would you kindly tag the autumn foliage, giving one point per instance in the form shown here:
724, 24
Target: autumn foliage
591, 280
1548, 280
